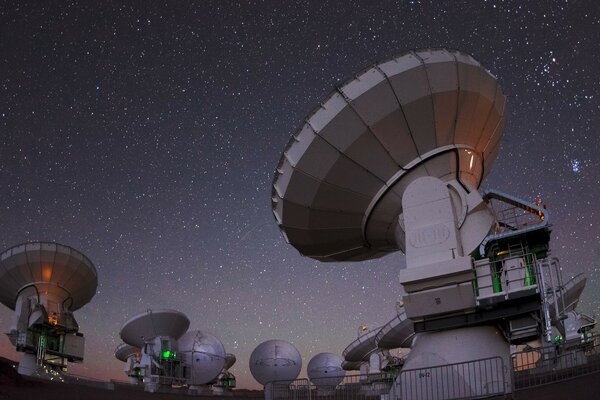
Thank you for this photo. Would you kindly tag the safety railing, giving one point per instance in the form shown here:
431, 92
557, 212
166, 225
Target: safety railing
352, 387
504, 276
539, 366
467, 380
478, 379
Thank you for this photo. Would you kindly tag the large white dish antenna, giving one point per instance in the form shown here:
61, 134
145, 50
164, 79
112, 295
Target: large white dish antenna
325, 370
338, 187
204, 353
153, 323
275, 360
59, 271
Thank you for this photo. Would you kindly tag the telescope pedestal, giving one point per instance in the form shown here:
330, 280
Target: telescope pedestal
461, 362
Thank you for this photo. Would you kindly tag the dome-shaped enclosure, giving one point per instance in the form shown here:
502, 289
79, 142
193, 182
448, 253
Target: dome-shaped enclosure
325, 370
153, 323
275, 360
204, 353
59, 271
338, 187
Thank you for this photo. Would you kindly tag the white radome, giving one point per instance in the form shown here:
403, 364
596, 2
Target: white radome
325, 370
204, 353
275, 360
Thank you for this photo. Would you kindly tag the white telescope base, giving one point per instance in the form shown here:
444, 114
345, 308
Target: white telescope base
419, 379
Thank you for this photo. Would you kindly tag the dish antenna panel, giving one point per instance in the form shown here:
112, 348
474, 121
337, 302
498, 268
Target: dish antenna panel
44, 283
338, 187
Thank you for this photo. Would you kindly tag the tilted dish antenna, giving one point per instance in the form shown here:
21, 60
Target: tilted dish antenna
131, 356
124, 351
156, 333
154, 323
392, 160
43, 283
338, 187
61, 273
230, 359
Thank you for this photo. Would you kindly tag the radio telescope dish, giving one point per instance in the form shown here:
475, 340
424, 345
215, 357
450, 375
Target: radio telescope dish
337, 191
154, 323
124, 351
399, 332
64, 274
204, 353
325, 370
351, 365
362, 347
229, 360
275, 360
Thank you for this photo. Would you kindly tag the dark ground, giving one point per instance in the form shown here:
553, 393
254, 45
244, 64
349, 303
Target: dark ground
17, 387
584, 387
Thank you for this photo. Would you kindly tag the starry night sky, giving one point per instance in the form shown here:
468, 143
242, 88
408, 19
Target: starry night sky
146, 134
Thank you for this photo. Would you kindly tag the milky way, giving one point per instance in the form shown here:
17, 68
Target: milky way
146, 135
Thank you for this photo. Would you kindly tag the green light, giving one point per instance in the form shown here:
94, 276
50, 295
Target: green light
169, 354
558, 339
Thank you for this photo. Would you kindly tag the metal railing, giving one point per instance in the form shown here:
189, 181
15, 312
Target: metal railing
539, 366
493, 279
478, 379
466, 380
352, 387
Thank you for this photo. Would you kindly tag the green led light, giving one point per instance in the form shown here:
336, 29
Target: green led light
558, 339
169, 354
